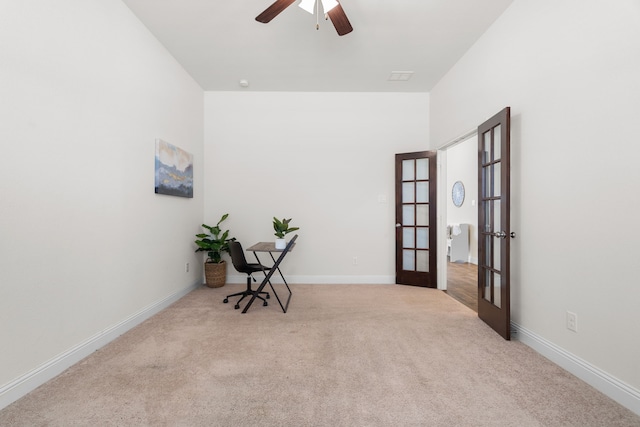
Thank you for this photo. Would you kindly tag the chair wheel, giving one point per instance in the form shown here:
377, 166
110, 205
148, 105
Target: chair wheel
268, 296
265, 303
237, 306
226, 300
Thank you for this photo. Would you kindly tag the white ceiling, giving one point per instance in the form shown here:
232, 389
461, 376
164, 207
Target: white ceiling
219, 42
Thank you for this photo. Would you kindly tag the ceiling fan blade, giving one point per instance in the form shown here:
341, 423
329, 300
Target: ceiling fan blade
340, 20
273, 10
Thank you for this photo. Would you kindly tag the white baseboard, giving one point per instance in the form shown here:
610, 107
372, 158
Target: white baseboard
617, 390
28, 382
320, 280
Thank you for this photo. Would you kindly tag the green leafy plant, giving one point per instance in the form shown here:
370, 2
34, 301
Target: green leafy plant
282, 227
216, 243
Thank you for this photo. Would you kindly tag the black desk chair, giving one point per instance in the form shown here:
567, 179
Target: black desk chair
241, 265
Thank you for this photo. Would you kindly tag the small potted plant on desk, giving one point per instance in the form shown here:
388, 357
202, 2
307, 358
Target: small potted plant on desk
214, 244
282, 229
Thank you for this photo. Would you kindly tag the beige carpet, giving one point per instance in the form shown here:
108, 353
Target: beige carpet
344, 355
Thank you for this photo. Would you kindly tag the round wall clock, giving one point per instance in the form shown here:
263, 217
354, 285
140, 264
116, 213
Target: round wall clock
457, 193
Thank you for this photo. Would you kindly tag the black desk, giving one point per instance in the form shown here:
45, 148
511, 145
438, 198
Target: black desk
270, 247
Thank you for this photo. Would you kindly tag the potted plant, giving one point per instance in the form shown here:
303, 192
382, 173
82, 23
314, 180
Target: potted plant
282, 229
215, 245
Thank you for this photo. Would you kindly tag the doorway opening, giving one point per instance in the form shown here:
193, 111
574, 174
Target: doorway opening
459, 185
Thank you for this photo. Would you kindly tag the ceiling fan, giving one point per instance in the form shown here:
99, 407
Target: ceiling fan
332, 8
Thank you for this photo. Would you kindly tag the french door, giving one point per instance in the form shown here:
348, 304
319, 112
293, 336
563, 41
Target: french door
494, 226
416, 244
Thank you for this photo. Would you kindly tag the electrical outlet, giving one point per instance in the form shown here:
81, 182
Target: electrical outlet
572, 321
355, 260
186, 268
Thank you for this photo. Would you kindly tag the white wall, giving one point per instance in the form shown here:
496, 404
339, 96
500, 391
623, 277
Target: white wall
462, 165
569, 69
85, 244
323, 159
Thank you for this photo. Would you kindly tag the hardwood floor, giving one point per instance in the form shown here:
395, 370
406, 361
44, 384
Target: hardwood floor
462, 283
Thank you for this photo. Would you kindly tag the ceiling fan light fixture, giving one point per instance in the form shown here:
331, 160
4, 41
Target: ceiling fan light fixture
331, 8
327, 5
308, 5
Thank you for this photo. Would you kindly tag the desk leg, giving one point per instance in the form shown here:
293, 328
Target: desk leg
267, 279
284, 309
273, 291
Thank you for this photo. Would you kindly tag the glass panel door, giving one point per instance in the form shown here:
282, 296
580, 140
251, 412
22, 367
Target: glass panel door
415, 218
493, 218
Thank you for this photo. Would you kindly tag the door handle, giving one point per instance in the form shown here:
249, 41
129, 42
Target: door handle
398, 225
503, 235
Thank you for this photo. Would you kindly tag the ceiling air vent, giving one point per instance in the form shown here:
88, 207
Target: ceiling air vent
400, 76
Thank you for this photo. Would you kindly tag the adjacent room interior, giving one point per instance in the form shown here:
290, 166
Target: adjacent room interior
462, 222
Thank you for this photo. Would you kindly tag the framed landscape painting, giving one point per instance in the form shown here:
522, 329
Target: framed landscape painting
174, 170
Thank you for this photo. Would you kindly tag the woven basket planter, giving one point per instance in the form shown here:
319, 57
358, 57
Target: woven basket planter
215, 274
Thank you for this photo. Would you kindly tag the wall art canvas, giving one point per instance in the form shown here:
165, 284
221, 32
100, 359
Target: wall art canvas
174, 170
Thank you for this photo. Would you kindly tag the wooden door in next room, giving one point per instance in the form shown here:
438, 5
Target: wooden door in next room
416, 219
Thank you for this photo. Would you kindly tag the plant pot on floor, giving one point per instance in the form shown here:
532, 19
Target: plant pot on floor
215, 274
